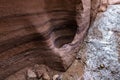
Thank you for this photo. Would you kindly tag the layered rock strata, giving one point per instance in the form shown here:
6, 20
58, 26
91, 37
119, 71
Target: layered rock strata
41, 31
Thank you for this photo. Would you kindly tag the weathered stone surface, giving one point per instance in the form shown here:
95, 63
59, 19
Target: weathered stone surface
46, 76
50, 32
31, 75
103, 48
41, 31
114, 1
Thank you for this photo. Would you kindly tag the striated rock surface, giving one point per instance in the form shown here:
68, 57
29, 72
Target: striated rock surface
103, 46
51, 32
41, 32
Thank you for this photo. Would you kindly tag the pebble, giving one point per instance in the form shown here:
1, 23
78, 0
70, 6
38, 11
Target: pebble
57, 77
45, 76
31, 75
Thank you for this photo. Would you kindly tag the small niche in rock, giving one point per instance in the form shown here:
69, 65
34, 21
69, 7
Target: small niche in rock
65, 33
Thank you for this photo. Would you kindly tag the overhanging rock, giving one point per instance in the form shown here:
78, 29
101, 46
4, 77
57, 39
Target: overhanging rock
41, 31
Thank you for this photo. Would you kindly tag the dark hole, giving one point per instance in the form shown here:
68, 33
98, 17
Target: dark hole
65, 33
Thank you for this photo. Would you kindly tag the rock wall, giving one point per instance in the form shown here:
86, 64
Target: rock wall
41, 31
102, 45
51, 32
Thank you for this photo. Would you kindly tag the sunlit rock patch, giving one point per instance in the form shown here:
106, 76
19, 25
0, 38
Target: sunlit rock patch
103, 46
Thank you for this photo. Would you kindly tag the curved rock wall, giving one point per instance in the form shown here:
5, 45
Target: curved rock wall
41, 31
50, 32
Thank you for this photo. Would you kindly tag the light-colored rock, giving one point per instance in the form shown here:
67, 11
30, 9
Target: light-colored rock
45, 76
114, 1
31, 75
103, 46
57, 77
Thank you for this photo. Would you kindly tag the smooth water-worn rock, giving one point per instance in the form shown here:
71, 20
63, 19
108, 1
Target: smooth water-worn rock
103, 46
41, 31
50, 32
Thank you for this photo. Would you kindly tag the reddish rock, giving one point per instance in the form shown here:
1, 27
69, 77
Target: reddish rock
114, 1
41, 31
48, 32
